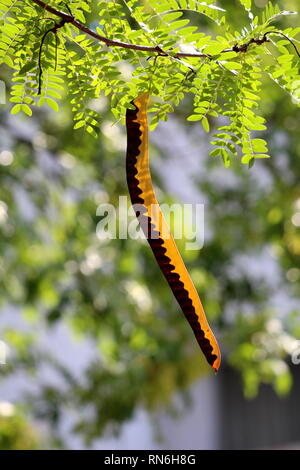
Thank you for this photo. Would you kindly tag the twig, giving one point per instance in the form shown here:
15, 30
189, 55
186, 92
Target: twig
68, 18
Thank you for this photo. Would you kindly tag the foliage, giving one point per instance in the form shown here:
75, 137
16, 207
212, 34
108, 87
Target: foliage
222, 83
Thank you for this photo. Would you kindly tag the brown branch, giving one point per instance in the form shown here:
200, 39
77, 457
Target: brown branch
109, 42
67, 18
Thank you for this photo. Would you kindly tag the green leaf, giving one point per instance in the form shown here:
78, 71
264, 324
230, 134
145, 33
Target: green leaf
232, 65
53, 104
214, 49
15, 109
194, 117
8, 61
246, 4
79, 124
205, 124
26, 109
28, 66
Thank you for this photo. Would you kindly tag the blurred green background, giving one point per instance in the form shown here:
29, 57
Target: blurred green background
91, 327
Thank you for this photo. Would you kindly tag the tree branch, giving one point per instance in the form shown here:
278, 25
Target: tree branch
54, 31
67, 18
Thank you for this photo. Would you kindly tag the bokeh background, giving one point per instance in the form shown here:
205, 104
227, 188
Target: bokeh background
98, 354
